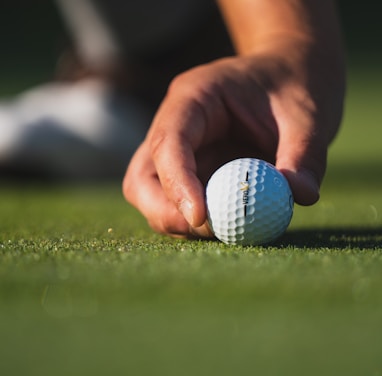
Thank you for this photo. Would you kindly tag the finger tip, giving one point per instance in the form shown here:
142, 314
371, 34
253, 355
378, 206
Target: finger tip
194, 215
305, 186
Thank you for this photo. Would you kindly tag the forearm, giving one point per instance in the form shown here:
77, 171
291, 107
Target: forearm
294, 41
255, 25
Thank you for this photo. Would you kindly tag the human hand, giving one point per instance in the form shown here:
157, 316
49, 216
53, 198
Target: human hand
254, 106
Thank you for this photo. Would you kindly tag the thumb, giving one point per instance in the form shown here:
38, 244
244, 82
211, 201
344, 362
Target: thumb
301, 157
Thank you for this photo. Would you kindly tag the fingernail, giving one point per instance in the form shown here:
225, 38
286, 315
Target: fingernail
187, 209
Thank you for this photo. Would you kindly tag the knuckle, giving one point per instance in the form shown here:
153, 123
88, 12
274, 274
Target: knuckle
158, 143
183, 81
194, 83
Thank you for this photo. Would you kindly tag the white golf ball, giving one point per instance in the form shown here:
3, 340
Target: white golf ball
249, 202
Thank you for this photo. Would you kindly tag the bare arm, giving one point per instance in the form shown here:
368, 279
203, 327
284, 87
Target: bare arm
255, 24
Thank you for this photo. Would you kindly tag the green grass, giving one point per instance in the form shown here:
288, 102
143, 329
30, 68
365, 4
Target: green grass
86, 288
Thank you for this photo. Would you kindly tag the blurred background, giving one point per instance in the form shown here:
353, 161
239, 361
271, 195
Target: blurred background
32, 36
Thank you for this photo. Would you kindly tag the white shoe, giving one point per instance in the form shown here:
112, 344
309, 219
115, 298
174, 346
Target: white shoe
75, 130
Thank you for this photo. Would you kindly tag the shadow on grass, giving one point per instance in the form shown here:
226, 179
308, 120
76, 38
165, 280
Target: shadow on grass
339, 238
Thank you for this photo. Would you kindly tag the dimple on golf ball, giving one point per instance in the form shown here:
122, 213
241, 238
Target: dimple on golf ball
249, 202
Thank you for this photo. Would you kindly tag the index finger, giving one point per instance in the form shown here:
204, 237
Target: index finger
176, 133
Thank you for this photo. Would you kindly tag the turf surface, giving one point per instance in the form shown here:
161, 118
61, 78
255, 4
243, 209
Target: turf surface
86, 288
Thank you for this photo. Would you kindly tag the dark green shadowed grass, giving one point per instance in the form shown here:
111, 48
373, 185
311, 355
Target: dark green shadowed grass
86, 288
